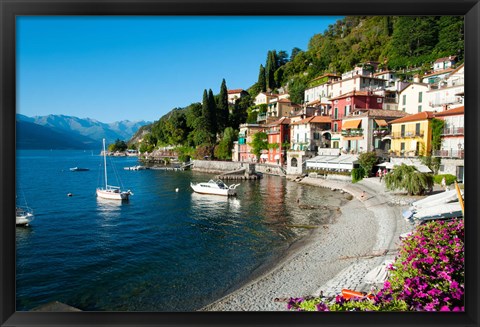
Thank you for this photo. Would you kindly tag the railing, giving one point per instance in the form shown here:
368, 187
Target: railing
390, 100
381, 132
261, 117
449, 153
399, 135
352, 132
273, 131
453, 131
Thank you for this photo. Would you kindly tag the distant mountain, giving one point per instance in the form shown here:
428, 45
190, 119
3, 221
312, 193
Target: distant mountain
34, 136
87, 127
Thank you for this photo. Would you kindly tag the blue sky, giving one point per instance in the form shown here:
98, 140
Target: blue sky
139, 68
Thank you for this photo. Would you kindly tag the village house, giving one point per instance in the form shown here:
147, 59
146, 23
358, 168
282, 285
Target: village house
444, 63
241, 149
413, 99
412, 135
281, 107
343, 105
320, 89
448, 91
311, 133
278, 134
453, 142
368, 130
234, 95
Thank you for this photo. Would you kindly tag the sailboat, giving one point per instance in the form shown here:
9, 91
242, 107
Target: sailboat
111, 192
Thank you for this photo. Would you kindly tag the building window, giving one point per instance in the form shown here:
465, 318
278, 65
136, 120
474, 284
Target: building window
404, 100
402, 131
335, 127
316, 136
419, 108
335, 115
379, 100
403, 109
417, 129
420, 95
402, 147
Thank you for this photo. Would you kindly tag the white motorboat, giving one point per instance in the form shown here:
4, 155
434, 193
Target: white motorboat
23, 216
216, 187
79, 169
110, 192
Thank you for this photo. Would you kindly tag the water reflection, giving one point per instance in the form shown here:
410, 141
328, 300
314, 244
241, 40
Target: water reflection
215, 204
109, 209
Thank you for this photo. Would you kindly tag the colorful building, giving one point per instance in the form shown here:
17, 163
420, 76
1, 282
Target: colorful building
278, 134
412, 135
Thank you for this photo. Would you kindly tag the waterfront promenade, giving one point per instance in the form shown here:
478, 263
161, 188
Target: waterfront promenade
335, 256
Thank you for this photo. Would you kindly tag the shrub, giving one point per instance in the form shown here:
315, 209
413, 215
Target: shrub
449, 179
410, 179
427, 275
357, 174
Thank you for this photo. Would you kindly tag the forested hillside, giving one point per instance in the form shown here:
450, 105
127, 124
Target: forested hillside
407, 44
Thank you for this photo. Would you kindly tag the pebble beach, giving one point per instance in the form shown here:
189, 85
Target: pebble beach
333, 257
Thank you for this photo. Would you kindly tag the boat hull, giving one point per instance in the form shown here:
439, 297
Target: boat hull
205, 190
23, 219
112, 194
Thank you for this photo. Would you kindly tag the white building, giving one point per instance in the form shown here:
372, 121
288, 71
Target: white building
448, 92
413, 99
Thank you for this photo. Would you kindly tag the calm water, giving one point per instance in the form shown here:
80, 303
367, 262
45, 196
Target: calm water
162, 250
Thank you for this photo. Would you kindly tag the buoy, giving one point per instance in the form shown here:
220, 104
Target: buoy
176, 190
69, 194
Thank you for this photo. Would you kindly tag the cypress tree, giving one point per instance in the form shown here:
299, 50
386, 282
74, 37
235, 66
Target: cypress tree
222, 107
206, 121
262, 82
270, 69
212, 108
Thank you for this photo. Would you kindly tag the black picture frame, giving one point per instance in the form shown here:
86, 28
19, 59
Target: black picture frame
9, 9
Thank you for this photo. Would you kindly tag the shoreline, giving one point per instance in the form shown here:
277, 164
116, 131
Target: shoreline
364, 235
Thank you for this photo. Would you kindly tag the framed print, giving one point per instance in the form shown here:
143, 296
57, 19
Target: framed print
239, 163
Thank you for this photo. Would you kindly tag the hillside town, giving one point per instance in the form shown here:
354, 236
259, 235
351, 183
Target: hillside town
365, 109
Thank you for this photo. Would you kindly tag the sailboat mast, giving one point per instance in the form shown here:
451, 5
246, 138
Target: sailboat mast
105, 164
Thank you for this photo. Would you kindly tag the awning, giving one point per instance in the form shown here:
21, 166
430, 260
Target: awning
351, 123
264, 156
381, 122
277, 157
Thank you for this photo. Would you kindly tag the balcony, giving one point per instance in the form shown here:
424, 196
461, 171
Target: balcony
352, 132
273, 131
261, 117
449, 153
380, 132
453, 131
407, 134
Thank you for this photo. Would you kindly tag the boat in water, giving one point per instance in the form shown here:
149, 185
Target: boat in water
79, 169
110, 192
216, 187
23, 216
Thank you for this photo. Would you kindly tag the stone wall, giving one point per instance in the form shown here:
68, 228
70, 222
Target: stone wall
217, 167
270, 169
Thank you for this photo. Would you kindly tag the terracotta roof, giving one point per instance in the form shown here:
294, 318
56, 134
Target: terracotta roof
354, 93
235, 91
416, 117
313, 120
440, 72
451, 112
451, 58
281, 121
380, 113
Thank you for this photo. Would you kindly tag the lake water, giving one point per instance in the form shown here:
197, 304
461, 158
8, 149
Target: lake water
161, 251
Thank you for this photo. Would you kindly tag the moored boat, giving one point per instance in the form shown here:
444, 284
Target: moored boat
79, 169
23, 216
216, 187
110, 192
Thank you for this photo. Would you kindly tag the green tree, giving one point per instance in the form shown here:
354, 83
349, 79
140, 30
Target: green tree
262, 82
224, 149
259, 143
118, 146
367, 160
437, 130
222, 107
294, 53
408, 178
212, 108
270, 69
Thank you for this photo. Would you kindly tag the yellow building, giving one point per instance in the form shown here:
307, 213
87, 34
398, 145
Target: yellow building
412, 135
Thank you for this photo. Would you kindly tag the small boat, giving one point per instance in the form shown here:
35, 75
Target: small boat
23, 216
79, 169
216, 187
110, 192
